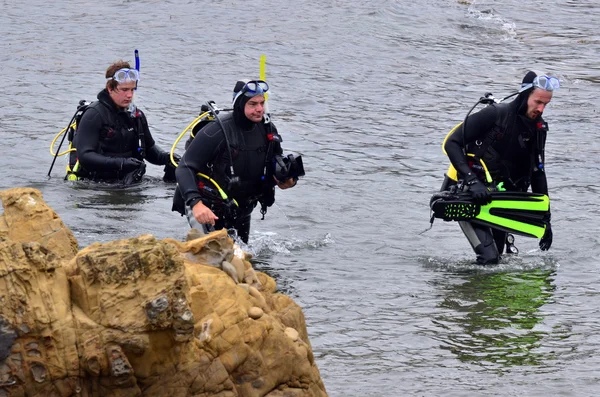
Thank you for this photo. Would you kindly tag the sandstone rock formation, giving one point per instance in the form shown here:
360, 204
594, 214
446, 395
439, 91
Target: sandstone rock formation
140, 316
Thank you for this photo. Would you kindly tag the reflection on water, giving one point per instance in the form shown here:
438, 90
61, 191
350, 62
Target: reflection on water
494, 318
115, 197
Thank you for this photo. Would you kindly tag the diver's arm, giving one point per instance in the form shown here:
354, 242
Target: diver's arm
88, 137
539, 183
154, 154
478, 126
208, 142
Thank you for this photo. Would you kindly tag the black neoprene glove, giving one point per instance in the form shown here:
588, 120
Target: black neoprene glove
130, 164
546, 240
169, 175
165, 158
478, 190
136, 175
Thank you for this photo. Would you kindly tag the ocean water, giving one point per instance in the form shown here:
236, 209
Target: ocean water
365, 92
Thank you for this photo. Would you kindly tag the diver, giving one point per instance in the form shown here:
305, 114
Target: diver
112, 139
510, 139
233, 163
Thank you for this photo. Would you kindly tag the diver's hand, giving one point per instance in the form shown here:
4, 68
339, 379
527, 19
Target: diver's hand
478, 190
203, 214
169, 170
288, 183
165, 158
131, 163
546, 240
176, 157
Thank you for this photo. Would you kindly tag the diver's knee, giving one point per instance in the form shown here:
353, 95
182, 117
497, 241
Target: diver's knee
487, 254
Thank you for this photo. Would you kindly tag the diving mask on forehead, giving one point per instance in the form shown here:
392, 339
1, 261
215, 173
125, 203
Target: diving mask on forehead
124, 75
543, 82
252, 89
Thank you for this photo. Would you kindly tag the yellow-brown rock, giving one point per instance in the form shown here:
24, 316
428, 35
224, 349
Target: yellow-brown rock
255, 312
292, 333
140, 316
27, 218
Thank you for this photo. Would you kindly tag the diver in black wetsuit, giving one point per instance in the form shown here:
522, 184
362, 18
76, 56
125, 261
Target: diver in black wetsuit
510, 138
112, 138
241, 135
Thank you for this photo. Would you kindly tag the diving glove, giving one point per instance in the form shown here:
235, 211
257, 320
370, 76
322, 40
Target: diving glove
131, 163
136, 175
164, 158
546, 240
169, 170
478, 190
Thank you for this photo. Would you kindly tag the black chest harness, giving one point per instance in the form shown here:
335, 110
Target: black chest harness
229, 166
495, 147
112, 124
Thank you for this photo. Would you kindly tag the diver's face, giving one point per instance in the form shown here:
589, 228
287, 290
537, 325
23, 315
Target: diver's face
123, 94
536, 103
255, 108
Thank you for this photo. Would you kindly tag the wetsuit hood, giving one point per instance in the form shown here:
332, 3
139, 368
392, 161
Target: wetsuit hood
524, 96
238, 108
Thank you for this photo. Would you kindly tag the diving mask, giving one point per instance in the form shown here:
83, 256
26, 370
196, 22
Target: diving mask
252, 89
125, 75
543, 82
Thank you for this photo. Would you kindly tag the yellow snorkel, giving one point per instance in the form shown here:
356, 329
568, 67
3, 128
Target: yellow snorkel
263, 76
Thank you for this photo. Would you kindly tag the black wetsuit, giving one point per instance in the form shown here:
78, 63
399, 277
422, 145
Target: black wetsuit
252, 147
108, 136
512, 147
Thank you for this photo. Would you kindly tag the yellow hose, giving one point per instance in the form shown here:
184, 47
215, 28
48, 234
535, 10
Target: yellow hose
191, 126
74, 125
221, 191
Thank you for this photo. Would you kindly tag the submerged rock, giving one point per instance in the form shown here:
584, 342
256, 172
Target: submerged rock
140, 316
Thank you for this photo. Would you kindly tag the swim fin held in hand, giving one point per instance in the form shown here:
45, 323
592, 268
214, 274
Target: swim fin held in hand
519, 213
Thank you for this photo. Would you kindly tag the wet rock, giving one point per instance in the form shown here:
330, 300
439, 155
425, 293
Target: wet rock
7, 337
230, 270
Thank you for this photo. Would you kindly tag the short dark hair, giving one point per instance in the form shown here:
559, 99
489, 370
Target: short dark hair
112, 69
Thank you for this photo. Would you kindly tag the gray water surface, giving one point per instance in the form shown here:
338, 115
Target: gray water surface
365, 92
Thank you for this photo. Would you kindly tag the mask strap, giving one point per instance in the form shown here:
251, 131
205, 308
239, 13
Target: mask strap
525, 87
